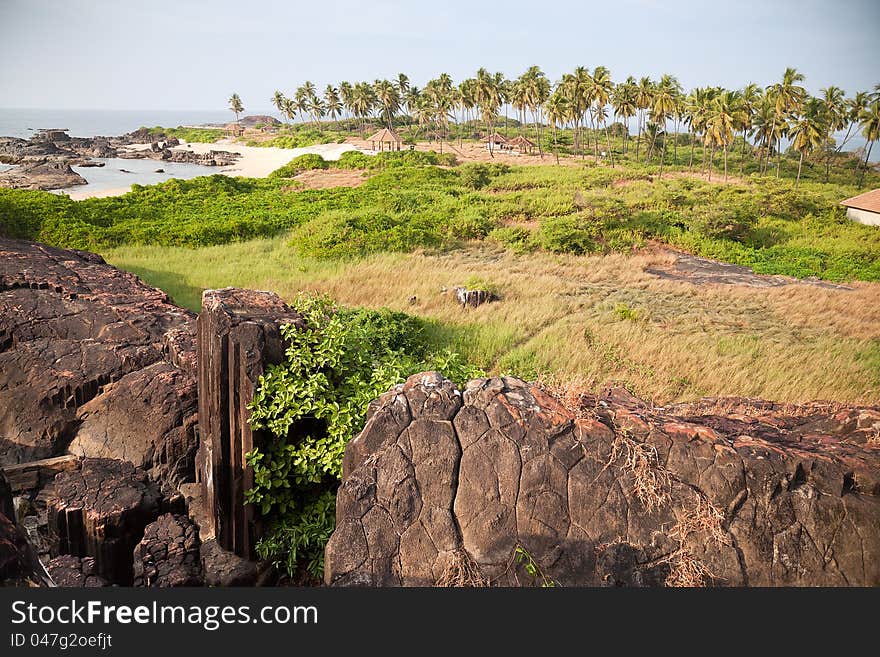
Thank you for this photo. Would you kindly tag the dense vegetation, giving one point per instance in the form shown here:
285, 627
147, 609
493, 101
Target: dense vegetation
203, 135
313, 403
409, 203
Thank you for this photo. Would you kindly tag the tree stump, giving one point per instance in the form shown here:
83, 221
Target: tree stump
101, 511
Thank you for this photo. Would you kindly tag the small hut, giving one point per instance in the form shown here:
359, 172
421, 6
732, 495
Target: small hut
524, 144
234, 130
495, 141
386, 136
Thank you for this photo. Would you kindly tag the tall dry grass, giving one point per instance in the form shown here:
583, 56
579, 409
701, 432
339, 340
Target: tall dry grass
584, 320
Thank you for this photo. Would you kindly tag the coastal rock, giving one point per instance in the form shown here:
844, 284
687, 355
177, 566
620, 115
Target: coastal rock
223, 568
101, 511
168, 554
41, 174
505, 484
69, 325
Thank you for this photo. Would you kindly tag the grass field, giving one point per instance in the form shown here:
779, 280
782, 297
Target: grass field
585, 320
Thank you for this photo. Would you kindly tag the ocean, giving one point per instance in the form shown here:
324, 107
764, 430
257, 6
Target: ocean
90, 123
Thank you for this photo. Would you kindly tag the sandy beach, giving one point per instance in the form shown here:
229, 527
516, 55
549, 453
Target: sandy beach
255, 162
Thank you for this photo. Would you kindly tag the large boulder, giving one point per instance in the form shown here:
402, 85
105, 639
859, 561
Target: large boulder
505, 484
41, 174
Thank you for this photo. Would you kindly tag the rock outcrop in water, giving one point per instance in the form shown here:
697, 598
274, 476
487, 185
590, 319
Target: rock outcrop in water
470, 487
45, 159
41, 174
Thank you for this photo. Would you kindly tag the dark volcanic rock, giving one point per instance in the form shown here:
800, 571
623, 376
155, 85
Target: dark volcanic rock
223, 568
41, 175
101, 511
69, 325
168, 554
112, 425
239, 336
75, 572
445, 487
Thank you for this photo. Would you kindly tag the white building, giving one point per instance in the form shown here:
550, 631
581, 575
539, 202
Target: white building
864, 208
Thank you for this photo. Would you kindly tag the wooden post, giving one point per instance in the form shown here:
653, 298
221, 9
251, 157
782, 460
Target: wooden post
239, 336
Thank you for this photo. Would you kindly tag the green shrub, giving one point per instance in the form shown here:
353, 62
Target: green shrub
516, 238
300, 163
313, 403
478, 175
566, 235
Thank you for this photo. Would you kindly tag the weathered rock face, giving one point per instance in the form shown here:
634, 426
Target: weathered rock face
101, 511
41, 175
70, 325
469, 488
239, 335
75, 572
168, 554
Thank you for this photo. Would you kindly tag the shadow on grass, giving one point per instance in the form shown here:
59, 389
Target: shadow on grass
173, 284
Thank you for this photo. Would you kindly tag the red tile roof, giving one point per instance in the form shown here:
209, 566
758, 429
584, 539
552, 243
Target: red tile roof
869, 201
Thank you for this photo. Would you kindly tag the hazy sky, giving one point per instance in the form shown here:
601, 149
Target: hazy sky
176, 54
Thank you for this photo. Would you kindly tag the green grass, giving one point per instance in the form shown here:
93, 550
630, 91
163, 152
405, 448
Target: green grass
202, 135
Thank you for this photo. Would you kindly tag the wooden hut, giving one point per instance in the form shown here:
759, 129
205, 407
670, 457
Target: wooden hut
495, 140
386, 136
524, 144
234, 130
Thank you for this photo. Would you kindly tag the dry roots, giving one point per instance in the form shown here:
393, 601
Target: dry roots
461, 571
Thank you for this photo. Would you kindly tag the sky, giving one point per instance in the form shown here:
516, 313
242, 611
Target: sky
192, 55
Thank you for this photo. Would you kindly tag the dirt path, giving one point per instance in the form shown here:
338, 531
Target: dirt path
703, 271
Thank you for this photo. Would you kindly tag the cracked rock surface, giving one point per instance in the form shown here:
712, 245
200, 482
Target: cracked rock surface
168, 554
484, 485
92, 356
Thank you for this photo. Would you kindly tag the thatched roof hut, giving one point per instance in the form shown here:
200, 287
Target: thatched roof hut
495, 138
386, 136
234, 129
524, 144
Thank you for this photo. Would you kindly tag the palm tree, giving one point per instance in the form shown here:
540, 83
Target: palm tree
536, 93
388, 99
663, 105
808, 132
332, 102
869, 119
362, 103
602, 89
487, 93
346, 95
289, 108
403, 86
558, 112
834, 115
644, 100
788, 97
235, 105
749, 97
317, 109
721, 124
278, 101
623, 100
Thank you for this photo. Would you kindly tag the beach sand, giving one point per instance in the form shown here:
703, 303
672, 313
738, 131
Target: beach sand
255, 162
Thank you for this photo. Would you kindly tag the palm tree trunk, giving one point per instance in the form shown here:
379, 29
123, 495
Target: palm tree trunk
711, 158
742, 156
639, 136
778, 156
555, 146
725, 161
865, 168
608, 139
693, 141
800, 164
